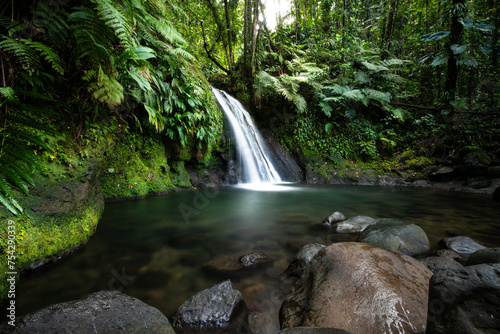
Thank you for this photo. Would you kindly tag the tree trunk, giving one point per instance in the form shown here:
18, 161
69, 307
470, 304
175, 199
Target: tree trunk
229, 37
387, 40
450, 87
246, 36
254, 35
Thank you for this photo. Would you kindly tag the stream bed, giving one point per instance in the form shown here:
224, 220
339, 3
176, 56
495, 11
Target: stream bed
156, 249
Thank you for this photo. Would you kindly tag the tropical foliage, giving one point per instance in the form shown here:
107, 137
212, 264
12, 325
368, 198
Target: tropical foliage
89, 61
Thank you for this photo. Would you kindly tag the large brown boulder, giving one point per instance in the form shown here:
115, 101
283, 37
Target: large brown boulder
360, 288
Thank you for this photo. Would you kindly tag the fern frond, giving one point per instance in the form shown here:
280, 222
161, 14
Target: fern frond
7, 197
376, 95
182, 53
392, 77
54, 21
374, 67
21, 53
49, 55
116, 20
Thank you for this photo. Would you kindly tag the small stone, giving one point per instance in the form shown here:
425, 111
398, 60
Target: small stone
333, 218
253, 259
463, 245
355, 224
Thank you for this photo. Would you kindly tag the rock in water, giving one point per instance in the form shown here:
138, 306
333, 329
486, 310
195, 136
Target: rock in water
488, 255
333, 218
398, 236
100, 312
360, 288
253, 259
302, 259
463, 245
355, 224
210, 309
465, 301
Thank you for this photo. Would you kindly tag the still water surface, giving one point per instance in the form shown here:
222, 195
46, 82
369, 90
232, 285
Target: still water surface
155, 249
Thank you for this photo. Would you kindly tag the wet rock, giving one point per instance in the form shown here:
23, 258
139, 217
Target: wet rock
398, 236
212, 309
333, 218
354, 224
478, 182
151, 280
387, 292
450, 254
253, 259
302, 259
313, 330
465, 301
488, 255
435, 263
473, 164
100, 312
236, 264
442, 173
463, 245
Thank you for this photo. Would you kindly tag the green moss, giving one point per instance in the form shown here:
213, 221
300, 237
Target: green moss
182, 176
137, 167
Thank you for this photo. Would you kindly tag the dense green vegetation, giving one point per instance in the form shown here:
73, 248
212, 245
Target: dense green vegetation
114, 95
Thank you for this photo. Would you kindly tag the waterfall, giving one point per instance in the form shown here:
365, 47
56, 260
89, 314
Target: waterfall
255, 163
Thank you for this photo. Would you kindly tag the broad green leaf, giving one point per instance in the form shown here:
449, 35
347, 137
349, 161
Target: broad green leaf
469, 60
440, 60
436, 36
138, 53
467, 23
485, 49
457, 49
484, 27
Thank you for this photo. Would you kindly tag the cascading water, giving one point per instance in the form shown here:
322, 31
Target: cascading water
256, 165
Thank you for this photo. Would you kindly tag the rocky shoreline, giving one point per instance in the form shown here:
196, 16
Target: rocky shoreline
389, 281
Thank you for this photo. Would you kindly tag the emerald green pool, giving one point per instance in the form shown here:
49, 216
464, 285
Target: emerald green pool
155, 249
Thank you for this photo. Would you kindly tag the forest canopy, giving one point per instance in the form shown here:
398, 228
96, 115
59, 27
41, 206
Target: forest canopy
350, 79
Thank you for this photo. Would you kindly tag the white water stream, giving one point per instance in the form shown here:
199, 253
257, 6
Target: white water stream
257, 169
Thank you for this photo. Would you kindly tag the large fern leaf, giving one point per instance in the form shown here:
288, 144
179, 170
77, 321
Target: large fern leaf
116, 20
